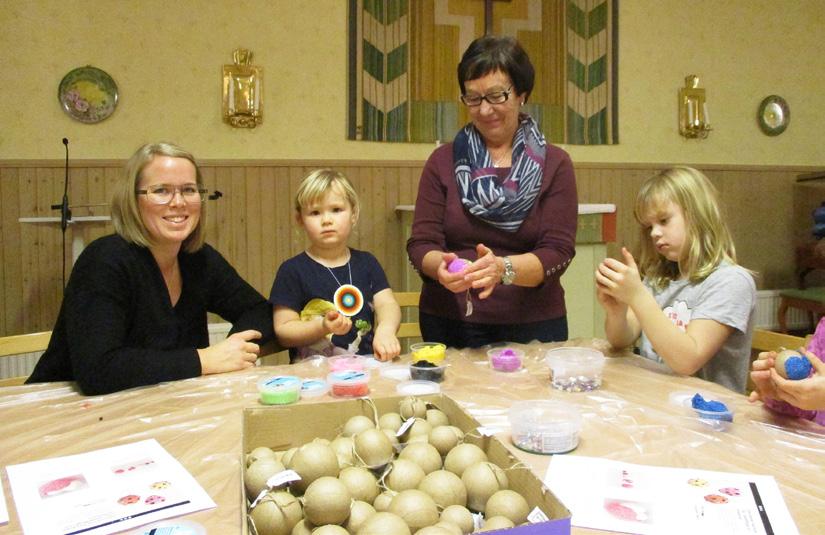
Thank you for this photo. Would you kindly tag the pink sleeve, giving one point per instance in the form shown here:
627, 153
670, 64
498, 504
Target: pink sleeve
817, 347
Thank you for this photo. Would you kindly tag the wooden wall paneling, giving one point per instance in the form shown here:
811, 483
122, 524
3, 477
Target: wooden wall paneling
27, 201
391, 185
253, 224
269, 230
285, 225
238, 220
253, 227
222, 235
10, 272
297, 237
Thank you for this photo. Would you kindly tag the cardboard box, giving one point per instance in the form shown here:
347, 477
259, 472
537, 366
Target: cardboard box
284, 427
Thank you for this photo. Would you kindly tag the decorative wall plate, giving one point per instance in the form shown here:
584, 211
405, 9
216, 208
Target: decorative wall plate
773, 115
87, 94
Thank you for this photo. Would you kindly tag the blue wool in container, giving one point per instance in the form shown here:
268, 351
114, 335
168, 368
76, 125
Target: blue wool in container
797, 368
711, 406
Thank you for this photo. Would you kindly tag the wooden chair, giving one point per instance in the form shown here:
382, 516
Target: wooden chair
771, 341
21, 344
408, 301
811, 300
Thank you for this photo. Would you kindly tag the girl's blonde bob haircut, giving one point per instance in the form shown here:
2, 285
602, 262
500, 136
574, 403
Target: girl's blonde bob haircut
125, 211
708, 242
318, 183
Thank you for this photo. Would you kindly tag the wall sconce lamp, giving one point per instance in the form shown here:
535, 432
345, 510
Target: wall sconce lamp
242, 91
693, 110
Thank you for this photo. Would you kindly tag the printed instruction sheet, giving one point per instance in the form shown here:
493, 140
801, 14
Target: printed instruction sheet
630, 498
103, 491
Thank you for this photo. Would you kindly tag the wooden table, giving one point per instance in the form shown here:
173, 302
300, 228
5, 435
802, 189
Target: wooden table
629, 419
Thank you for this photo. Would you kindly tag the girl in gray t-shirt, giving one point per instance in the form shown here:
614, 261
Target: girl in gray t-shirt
692, 305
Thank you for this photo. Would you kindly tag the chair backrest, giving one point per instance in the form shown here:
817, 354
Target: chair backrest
20, 344
772, 341
409, 310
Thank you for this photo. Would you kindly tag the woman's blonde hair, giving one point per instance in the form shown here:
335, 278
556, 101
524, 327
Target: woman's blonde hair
125, 211
708, 242
316, 184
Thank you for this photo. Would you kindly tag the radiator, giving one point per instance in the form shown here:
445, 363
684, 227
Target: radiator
767, 305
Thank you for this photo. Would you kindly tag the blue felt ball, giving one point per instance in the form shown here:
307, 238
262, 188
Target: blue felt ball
797, 368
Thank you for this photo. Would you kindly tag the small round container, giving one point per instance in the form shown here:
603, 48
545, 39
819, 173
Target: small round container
279, 390
430, 351
575, 369
505, 359
398, 372
545, 426
427, 371
417, 388
313, 388
347, 362
349, 383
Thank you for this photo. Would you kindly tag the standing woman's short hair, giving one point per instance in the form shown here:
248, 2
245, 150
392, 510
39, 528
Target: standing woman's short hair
707, 239
125, 212
492, 53
316, 184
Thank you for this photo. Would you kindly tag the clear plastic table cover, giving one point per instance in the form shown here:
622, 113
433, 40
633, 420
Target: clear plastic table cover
629, 418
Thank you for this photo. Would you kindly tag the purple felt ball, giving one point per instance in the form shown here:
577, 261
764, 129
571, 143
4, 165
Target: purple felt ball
797, 368
458, 265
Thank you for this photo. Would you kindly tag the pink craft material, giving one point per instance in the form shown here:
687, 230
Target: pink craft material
506, 360
458, 265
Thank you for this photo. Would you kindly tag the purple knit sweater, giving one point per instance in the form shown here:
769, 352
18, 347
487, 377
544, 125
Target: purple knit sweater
441, 223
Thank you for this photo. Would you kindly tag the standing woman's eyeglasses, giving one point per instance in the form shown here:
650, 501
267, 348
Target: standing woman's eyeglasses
496, 97
164, 193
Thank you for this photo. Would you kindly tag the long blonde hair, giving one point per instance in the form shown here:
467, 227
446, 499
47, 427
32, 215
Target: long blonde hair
708, 242
125, 212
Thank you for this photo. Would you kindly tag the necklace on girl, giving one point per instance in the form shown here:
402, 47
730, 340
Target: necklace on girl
348, 299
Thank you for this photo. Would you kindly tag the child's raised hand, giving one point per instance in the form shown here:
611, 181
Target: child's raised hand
620, 280
337, 323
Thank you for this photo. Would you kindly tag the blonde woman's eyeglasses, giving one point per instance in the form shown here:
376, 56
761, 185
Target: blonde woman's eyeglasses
164, 193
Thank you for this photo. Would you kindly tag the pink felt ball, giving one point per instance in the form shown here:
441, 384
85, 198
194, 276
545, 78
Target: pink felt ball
458, 265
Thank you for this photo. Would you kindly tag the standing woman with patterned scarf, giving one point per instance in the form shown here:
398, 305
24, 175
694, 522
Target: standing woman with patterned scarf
502, 198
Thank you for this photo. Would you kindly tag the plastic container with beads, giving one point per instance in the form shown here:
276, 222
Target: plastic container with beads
575, 369
545, 426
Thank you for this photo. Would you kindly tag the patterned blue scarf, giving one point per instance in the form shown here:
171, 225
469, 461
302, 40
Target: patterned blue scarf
505, 204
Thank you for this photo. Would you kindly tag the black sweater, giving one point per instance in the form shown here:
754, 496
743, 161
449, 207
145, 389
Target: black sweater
117, 327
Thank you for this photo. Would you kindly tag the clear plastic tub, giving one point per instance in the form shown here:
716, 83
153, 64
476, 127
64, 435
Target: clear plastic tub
505, 359
575, 369
349, 383
427, 371
430, 351
279, 390
417, 388
347, 362
545, 426
313, 388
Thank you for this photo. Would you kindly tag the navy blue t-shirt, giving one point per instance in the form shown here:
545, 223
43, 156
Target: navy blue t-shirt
301, 279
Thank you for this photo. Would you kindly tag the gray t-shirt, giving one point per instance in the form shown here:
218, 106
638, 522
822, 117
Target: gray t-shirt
727, 296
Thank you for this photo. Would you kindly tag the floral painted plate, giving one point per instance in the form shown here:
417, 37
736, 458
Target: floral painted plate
87, 94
